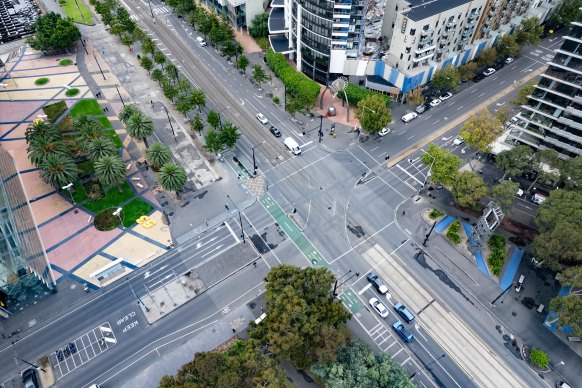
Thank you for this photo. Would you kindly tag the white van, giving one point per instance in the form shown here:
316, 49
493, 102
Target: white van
409, 116
201, 41
292, 145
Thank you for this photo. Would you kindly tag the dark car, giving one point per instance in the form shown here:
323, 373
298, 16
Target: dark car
377, 282
275, 131
498, 65
478, 78
404, 312
402, 331
29, 379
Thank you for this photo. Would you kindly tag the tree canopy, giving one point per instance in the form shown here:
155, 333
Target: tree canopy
569, 307
524, 93
529, 31
507, 46
373, 113
445, 79
467, 71
504, 193
480, 130
487, 57
52, 32
259, 26
515, 161
567, 12
445, 166
229, 134
468, 188
572, 173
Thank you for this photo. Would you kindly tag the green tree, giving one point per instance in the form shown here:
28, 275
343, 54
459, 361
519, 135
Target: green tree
260, 26
159, 58
515, 161
238, 51
110, 170
41, 147
100, 147
539, 358
146, 63
301, 310
213, 119
560, 246
184, 86
242, 63
41, 128
468, 188
548, 165
170, 91
171, 71
204, 21
487, 57
561, 206
507, 46
259, 75
357, 366
480, 130
229, 135
215, 34
172, 177
529, 32
52, 32
198, 99
140, 126
373, 113
566, 13
184, 104
127, 111
197, 124
212, 141
572, 173
572, 277
148, 46
444, 164
415, 97
504, 193
157, 75
524, 93
158, 155
228, 49
468, 71
58, 170
569, 310
124, 19
445, 79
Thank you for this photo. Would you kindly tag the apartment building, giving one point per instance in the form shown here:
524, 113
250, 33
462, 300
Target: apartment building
240, 12
552, 117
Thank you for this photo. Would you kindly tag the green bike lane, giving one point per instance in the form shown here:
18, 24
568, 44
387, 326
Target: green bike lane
314, 257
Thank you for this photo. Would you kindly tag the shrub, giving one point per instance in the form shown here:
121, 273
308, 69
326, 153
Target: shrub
105, 220
41, 81
539, 358
357, 93
435, 213
54, 111
276, 100
496, 259
453, 232
72, 92
66, 62
263, 43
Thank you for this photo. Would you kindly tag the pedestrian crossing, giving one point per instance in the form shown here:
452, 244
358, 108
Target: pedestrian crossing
162, 10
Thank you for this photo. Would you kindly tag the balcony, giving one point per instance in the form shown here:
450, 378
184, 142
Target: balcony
276, 21
423, 58
565, 76
569, 123
277, 3
573, 111
426, 32
566, 134
421, 50
563, 145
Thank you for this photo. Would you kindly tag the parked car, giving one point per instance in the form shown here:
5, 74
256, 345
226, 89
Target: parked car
275, 131
445, 96
489, 72
384, 131
409, 117
261, 117
377, 283
404, 312
29, 379
435, 102
201, 41
379, 307
478, 78
458, 141
508, 60
499, 65
422, 108
402, 331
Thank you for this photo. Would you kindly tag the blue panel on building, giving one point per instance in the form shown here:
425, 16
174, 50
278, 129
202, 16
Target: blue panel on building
480, 47
379, 68
411, 83
429, 74
447, 62
465, 57
393, 76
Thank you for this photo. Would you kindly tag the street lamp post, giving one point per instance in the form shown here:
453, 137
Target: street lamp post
82, 16
428, 234
98, 65
515, 284
254, 161
137, 297
242, 234
84, 46
5, 86
171, 126
121, 98
150, 4
117, 213
336, 285
68, 188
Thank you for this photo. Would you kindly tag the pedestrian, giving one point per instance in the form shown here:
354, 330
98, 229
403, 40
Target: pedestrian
404, 212
255, 264
233, 330
152, 102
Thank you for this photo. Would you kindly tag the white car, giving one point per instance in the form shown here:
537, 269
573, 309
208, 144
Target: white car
261, 117
435, 102
379, 307
488, 72
384, 131
458, 140
445, 96
508, 60
409, 117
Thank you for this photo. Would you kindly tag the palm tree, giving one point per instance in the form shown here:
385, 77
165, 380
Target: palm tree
158, 155
86, 124
172, 177
40, 128
40, 147
140, 126
127, 111
110, 170
198, 98
229, 134
58, 170
98, 148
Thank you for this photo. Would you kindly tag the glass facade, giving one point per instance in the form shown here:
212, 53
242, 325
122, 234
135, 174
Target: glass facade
24, 267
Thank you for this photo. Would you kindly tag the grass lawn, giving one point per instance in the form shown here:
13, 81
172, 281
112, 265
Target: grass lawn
113, 136
54, 111
83, 16
72, 92
133, 210
66, 62
85, 168
86, 107
105, 122
113, 198
79, 193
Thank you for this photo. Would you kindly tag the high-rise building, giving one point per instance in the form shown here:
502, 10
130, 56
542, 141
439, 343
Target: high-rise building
240, 12
24, 266
552, 117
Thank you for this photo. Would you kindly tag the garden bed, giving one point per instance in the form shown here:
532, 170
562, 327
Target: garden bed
105, 122
87, 107
66, 124
453, 232
41, 81
66, 62
135, 209
54, 111
105, 220
112, 198
497, 256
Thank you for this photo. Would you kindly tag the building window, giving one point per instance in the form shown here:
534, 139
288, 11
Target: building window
412, 31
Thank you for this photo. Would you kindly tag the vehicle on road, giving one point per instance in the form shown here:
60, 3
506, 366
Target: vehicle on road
201, 41
508, 60
445, 96
435, 102
261, 117
402, 331
29, 379
292, 145
422, 108
538, 198
404, 312
478, 78
377, 283
379, 307
519, 192
458, 141
384, 131
489, 72
499, 65
275, 131
409, 117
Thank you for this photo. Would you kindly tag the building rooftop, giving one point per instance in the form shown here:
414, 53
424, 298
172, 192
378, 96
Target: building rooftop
422, 9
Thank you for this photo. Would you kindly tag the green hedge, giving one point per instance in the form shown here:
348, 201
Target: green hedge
357, 93
435, 213
496, 259
539, 358
453, 232
296, 82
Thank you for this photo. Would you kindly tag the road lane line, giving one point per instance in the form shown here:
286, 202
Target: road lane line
409, 174
365, 289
